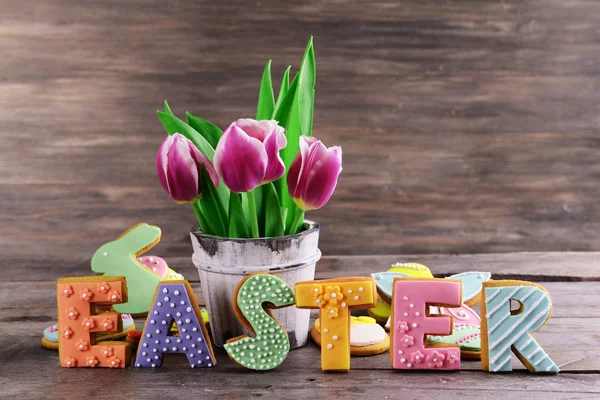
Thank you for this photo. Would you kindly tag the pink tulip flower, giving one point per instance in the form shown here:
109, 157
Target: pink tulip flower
248, 154
178, 164
314, 173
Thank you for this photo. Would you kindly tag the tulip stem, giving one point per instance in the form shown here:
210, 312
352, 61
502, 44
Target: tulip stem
297, 222
253, 216
199, 217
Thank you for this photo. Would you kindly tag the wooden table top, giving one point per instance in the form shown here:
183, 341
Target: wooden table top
27, 370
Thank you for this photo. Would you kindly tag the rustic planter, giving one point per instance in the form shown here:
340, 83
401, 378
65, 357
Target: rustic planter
222, 263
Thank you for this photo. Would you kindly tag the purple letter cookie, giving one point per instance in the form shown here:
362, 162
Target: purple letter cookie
174, 301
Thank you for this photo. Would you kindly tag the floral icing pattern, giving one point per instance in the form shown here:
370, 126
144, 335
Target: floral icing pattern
72, 313
107, 324
67, 290
92, 361
103, 287
453, 357
114, 362
86, 294
333, 294
403, 326
332, 312
108, 351
435, 359
417, 357
407, 341
83, 345
70, 362
89, 323
67, 333
114, 296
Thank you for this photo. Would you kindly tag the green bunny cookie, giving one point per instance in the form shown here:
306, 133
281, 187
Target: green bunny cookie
118, 258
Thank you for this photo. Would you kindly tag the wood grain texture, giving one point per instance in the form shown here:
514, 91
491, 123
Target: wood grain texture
467, 126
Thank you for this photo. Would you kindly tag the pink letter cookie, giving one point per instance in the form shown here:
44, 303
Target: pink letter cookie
77, 325
411, 298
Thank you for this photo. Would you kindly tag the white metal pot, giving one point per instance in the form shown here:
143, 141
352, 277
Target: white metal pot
222, 263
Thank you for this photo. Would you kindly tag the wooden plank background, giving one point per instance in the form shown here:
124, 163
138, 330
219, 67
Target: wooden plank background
467, 126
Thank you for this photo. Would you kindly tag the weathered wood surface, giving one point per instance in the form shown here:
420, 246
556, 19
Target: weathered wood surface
467, 126
570, 337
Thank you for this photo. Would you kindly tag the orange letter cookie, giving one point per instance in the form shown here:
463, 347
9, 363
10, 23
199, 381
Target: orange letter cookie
77, 325
335, 298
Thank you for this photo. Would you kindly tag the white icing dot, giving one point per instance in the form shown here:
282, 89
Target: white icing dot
164, 322
356, 297
84, 295
174, 348
153, 365
318, 301
105, 254
155, 312
349, 291
114, 296
199, 339
178, 314
165, 290
189, 309
157, 331
102, 288
417, 313
148, 335
331, 312
326, 330
105, 325
412, 306
343, 305
409, 365
176, 293
172, 305
406, 314
187, 320
330, 346
414, 325
144, 353
335, 337
405, 298
71, 314
65, 291
403, 360
333, 295
360, 289
400, 352
168, 341
316, 290
159, 304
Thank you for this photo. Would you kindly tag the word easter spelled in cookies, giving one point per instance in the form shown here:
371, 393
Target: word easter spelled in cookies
174, 323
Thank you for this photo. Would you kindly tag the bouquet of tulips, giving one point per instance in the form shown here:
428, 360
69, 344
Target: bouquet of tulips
258, 177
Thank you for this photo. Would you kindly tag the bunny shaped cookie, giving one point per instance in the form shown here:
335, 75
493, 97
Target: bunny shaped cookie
119, 258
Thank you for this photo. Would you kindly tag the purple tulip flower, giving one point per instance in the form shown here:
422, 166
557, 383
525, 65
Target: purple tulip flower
178, 164
248, 154
314, 173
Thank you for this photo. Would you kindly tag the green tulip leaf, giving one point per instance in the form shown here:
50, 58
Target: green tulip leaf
273, 223
208, 130
300, 123
238, 226
174, 125
285, 85
168, 109
266, 101
214, 211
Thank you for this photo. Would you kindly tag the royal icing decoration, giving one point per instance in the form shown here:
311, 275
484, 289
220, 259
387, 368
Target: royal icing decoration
364, 331
271, 345
335, 298
77, 326
174, 301
467, 328
503, 330
119, 258
472, 284
411, 322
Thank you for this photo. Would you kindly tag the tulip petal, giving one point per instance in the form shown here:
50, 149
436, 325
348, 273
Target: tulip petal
182, 172
161, 162
322, 179
240, 160
274, 142
257, 129
200, 159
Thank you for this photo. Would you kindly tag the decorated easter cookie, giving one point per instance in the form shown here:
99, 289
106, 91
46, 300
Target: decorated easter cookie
119, 258
366, 336
78, 326
253, 299
472, 284
412, 321
467, 328
335, 298
159, 266
381, 312
504, 331
50, 337
174, 301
